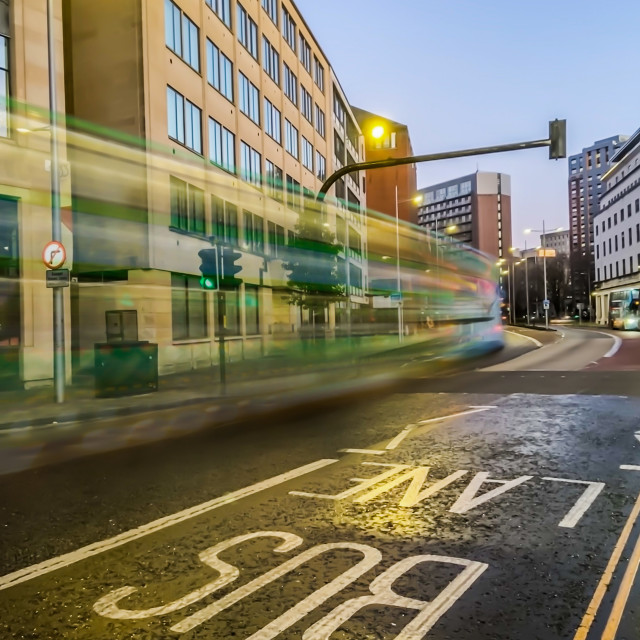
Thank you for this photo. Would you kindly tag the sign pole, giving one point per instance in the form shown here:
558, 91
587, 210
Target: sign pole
56, 222
544, 268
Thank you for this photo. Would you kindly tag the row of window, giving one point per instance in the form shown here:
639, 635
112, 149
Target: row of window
606, 224
189, 310
613, 242
619, 272
182, 36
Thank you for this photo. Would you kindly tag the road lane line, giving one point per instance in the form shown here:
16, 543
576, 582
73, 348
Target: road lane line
53, 564
474, 409
373, 452
400, 437
630, 467
617, 343
521, 335
606, 577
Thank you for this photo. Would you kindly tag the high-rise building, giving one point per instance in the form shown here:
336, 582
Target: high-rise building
474, 209
617, 233
238, 90
557, 240
585, 188
392, 186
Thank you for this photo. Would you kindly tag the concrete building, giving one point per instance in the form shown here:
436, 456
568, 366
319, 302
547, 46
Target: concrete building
474, 209
617, 228
26, 309
240, 93
381, 183
558, 240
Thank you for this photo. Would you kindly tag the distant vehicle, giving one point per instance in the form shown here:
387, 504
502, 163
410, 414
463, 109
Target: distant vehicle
624, 305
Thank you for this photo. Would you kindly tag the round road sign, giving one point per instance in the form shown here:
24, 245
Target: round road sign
54, 255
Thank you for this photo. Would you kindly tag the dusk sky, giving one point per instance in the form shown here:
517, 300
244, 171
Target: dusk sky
470, 73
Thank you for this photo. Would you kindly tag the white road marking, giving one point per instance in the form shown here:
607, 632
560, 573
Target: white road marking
361, 486
371, 558
617, 343
630, 467
373, 452
383, 595
468, 499
400, 437
637, 435
521, 335
474, 409
96, 548
107, 606
583, 503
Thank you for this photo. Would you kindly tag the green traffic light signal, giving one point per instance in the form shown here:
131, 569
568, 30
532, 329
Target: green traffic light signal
207, 283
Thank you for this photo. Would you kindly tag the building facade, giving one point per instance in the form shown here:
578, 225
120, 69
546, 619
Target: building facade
381, 184
557, 240
243, 97
26, 305
617, 228
474, 209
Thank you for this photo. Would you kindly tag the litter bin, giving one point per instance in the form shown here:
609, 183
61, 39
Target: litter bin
125, 368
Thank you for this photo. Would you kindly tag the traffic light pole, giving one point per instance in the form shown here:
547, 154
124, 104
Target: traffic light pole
222, 312
556, 143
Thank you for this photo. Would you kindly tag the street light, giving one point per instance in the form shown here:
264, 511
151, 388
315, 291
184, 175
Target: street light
544, 268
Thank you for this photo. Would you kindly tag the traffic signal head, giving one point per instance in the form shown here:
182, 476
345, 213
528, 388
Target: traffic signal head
229, 267
558, 138
209, 268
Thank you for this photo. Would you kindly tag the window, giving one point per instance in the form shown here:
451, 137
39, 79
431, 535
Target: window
621, 214
172, 30
270, 61
293, 193
615, 241
222, 146
288, 29
305, 54
188, 308
637, 201
320, 123
222, 8
249, 98
609, 222
247, 31
630, 236
597, 252
253, 232
187, 207
219, 71
271, 7
307, 154
290, 84
290, 138
318, 73
184, 121
224, 218
272, 121
598, 278
250, 164
306, 104
338, 108
252, 310
622, 239
4, 86
638, 233
275, 239
273, 176
338, 146
630, 264
629, 210
321, 166
181, 35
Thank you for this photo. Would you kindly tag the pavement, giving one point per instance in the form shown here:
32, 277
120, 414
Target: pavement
469, 513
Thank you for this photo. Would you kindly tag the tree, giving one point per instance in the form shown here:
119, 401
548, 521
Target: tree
313, 264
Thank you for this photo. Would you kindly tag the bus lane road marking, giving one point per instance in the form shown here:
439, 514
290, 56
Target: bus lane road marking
67, 559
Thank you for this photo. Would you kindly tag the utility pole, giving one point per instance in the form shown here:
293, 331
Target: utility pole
544, 268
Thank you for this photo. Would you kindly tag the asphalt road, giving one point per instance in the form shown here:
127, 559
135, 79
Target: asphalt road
495, 503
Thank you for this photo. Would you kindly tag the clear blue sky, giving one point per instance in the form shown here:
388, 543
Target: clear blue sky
467, 73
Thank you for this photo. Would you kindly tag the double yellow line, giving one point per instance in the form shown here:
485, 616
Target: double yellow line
625, 586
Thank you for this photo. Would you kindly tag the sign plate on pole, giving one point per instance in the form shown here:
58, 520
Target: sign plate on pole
57, 278
545, 304
54, 255
396, 296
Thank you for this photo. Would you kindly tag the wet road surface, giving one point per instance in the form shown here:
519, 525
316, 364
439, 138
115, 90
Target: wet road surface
458, 514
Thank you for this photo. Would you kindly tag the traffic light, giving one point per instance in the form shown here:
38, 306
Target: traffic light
558, 137
209, 268
229, 268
